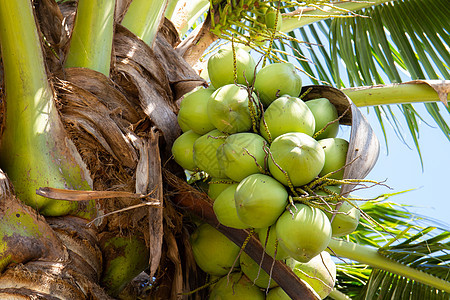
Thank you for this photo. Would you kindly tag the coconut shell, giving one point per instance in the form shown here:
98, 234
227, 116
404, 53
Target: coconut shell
364, 146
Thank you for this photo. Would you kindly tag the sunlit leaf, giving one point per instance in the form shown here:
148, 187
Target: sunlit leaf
400, 41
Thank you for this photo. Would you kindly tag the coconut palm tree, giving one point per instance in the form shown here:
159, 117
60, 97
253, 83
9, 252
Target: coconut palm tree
90, 198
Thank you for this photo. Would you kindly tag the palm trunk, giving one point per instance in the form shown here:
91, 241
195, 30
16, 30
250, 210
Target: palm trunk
109, 123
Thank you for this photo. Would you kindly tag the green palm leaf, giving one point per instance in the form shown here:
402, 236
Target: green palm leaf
427, 251
396, 42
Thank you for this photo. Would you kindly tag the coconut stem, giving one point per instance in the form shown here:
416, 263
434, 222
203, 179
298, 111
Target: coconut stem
370, 256
35, 151
307, 15
392, 94
143, 18
337, 295
186, 13
92, 36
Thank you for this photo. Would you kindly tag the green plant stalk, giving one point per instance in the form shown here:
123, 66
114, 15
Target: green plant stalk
171, 5
9, 230
311, 16
371, 257
187, 12
92, 36
143, 18
337, 295
392, 94
34, 150
24, 235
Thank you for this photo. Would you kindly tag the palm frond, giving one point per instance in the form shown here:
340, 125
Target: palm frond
352, 278
407, 242
395, 218
428, 251
398, 41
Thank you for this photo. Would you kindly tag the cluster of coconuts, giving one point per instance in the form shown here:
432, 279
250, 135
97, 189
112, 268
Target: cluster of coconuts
253, 136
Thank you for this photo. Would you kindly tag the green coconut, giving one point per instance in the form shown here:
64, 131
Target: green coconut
335, 156
319, 273
236, 287
217, 186
297, 154
205, 148
276, 80
221, 67
286, 114
324, 112
260, 200
346, 219
228, 109
213, 252
183, 149
272, 243
303, 232
225, 209
255, 273
333, 188
272, 17
193, 113
277, 293
257, 38
241, 155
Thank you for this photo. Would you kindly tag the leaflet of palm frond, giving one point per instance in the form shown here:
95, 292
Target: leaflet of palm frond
351, 278
391, 215
386, 48
427, 251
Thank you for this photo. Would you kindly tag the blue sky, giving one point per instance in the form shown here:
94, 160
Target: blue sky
401, 169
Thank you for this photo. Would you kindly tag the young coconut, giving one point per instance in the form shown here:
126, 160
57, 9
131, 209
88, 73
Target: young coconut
303, 232
319, 273
214, 252
297, 154
221, 67
275, 80
324, 112
228, 109
238, 287
193, 113
255, 273
205, 148
225, 209
273, 16
241, 155
272, 243
183, 150
346, 219
217, 186
277, 293
260, 200
286, 114
335, 156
